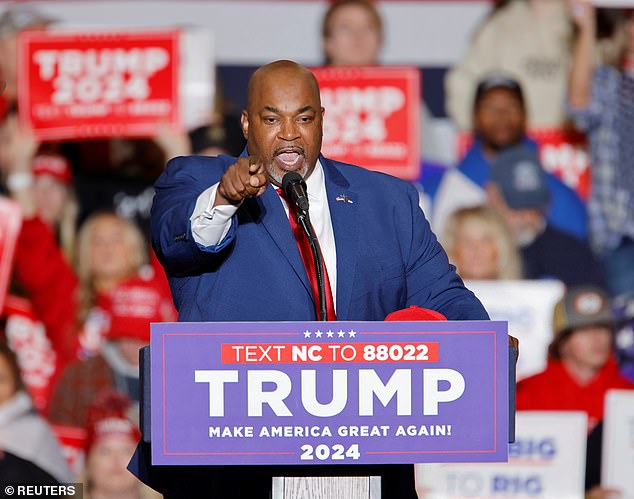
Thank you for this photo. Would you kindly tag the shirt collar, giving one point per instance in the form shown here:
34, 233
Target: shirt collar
315, 182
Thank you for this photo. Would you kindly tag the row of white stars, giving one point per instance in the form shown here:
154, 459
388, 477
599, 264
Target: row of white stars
330, 333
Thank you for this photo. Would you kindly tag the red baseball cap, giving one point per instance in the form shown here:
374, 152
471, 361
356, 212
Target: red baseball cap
54, 165
133, 306
415, 313
108, 415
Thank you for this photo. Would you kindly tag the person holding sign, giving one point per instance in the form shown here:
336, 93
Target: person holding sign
581, 368
221, 230
500, 121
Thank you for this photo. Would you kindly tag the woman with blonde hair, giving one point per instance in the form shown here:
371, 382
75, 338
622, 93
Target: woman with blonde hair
480, 245
75, 307
110, 250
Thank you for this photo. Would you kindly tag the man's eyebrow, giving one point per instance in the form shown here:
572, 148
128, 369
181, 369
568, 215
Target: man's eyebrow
272, 109
305, 108
301, 110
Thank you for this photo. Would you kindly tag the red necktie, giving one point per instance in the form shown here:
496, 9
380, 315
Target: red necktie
307, 257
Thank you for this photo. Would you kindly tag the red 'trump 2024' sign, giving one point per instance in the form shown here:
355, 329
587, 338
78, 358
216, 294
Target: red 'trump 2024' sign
372, 117
98, 84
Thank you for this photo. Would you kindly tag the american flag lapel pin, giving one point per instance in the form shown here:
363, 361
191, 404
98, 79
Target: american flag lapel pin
344, 199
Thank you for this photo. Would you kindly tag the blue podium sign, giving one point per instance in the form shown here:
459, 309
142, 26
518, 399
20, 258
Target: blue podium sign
329, 393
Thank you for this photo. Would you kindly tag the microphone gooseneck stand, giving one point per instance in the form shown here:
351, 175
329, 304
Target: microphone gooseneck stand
294, 187
303, 220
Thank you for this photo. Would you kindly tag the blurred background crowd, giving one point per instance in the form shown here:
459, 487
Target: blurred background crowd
84, 284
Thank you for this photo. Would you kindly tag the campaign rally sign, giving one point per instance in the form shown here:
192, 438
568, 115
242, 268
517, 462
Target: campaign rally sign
98, 84
618, 442
10, 223
546, 461
528, 306
372, 117
26, 336
329, 393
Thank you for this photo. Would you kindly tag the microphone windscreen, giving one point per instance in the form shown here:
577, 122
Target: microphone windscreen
289, 179
294, 189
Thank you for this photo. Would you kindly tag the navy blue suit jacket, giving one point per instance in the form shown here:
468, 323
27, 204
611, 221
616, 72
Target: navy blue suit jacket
387, 256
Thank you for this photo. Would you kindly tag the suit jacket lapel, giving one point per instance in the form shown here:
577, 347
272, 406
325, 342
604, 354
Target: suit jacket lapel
343, 205
268, 210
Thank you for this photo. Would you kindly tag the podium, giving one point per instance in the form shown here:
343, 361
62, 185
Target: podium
307, 396
326, 487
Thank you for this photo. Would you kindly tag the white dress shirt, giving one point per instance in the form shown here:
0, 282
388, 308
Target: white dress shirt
211, 224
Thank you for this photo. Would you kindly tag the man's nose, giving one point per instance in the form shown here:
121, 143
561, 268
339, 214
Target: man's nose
288, 130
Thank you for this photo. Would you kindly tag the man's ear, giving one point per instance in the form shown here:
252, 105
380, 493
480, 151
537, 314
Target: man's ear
244, 120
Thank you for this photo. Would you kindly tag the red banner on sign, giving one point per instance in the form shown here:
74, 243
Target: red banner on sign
99, 84
372, 117
10, 223
293, 353
563, 152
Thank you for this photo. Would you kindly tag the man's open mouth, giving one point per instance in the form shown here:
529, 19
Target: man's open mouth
289, 157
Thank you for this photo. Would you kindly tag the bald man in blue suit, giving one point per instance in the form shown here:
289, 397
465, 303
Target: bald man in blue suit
222, 232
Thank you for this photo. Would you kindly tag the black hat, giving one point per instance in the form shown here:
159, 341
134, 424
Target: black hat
495, 81
582, 306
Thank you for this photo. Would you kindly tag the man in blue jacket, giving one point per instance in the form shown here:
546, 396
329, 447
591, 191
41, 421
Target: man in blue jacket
221, 230
499, 120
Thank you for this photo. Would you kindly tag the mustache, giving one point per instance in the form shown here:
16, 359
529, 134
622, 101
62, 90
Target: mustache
280, 149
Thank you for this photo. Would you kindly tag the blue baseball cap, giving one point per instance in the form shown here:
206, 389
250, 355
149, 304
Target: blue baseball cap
521, 178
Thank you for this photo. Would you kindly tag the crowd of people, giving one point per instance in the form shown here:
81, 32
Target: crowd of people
86, 284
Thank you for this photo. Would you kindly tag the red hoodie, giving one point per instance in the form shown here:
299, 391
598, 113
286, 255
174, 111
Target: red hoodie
555, 389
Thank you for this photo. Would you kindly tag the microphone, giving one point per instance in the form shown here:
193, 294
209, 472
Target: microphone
294, 188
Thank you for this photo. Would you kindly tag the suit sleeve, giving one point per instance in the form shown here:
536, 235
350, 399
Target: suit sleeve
432, 282
177, 191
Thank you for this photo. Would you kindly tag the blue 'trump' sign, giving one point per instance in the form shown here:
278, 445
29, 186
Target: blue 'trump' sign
331, 393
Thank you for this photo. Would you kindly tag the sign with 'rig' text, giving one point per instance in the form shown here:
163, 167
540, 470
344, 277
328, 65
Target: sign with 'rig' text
618, 442
98, 84
329, 393
372, 117
546, 461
